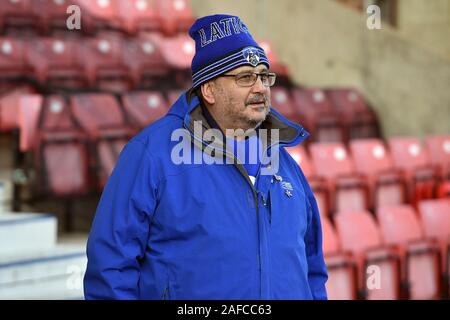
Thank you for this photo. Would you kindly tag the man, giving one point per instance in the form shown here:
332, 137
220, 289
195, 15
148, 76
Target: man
171, 227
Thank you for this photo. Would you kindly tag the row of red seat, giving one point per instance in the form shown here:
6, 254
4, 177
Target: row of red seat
333, 115
398, 254
369, 175
107, 61
131, 16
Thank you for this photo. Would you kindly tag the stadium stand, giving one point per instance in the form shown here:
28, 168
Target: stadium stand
71, 100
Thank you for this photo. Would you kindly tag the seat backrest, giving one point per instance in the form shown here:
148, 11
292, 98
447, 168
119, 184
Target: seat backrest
347, 100
12, 56
53, 52
435, 216
438, 147
312, 101
370, 156
331, 159
143, 51
357, 231
330, 241
56, 114
282, 102
408, 153
178, 51
300, 156
144, 107
97, 111
399, 224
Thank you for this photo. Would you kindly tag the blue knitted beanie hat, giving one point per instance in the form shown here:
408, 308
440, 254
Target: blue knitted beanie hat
222, 43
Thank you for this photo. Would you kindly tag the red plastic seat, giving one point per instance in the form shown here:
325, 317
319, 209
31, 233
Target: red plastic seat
333, 162
55, 62
360, 120
10, 106
283, 103
52, 14
435, 216
101, 117
379, 274
138, 15
371, 158
342, 273
421, 257
144, 59
175, 16
103, 61
17, 14
318, 115
100, 15
13, 63
438, 147
144, 108
318, 184
409, 156
178, 52
61, 151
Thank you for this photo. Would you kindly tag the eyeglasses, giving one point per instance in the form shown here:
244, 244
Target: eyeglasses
247, 79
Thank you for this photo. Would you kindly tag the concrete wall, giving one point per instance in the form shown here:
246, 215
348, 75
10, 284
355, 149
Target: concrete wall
326, 44
427, 23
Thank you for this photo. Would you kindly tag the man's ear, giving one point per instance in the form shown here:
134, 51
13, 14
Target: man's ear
207, 90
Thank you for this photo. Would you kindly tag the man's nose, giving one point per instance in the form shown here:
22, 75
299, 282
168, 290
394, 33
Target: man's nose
259, 86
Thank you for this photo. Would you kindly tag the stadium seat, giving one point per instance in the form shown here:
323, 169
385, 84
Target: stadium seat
409, 156
144, 59
9, 107
360, 120
13, 63
435, 215
349, 190
102, 57
438, 147
178, 52
100, 115
52, 14
17, 14
421, 269
175, 16
143, 108
318, 184
379, 273
138, 16
318, 115
342, 273
61, 151
55, 62
283, 103
387, 185
100, 15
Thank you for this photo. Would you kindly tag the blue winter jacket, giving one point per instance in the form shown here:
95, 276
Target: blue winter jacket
204, 231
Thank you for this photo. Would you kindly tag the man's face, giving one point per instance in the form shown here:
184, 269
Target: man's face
241, 107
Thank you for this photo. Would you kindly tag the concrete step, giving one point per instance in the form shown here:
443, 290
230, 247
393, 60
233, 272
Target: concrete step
48, 274
26, 232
